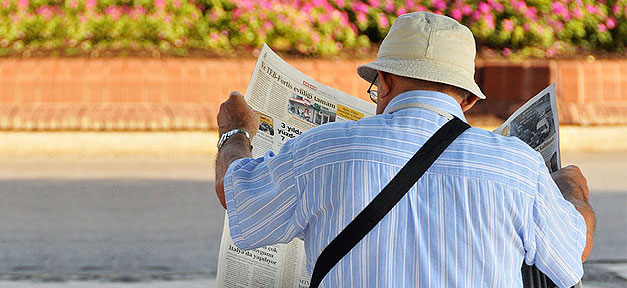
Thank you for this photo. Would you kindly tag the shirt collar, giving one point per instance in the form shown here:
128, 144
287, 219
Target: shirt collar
436, 99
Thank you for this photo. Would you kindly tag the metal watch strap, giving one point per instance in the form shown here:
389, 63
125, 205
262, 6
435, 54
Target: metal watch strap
226, 135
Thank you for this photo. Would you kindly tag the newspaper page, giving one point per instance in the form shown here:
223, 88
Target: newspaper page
536, 124
288, 103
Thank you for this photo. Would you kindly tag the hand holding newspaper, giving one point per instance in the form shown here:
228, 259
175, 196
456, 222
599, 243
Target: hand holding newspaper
289, 103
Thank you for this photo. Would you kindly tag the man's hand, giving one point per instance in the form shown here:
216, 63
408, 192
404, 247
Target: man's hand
574, 187
234, 113
572, 183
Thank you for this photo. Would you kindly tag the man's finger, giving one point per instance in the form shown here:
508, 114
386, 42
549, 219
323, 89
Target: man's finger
235, 94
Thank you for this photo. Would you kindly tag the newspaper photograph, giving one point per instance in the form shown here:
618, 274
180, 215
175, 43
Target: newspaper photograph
288, 103
536, 124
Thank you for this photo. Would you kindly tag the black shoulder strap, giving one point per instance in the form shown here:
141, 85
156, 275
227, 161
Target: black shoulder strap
387, 198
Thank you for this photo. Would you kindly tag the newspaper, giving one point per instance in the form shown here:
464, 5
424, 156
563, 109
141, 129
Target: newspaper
536, 124
288, 103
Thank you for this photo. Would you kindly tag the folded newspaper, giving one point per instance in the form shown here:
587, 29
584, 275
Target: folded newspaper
288, 103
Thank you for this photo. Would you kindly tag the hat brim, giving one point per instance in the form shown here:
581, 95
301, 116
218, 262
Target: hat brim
423, 70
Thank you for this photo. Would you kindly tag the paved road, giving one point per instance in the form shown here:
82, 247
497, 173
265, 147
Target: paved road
153, 220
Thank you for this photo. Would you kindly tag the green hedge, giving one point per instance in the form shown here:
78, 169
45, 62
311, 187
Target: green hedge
311, 27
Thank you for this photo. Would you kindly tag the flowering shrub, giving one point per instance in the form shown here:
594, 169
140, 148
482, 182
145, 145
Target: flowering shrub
538, 28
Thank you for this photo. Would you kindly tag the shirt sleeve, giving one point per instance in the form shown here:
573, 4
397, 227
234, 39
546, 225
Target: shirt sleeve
557, 234
261, 199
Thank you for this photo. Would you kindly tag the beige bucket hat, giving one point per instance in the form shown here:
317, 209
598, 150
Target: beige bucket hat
430, 47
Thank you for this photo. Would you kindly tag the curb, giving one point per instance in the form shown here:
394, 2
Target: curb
175, 144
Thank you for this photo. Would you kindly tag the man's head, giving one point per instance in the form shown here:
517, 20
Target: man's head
425, 51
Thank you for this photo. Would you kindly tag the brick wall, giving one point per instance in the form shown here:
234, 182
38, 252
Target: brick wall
184, 94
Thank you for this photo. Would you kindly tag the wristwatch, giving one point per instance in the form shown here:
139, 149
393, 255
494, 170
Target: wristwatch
227, 135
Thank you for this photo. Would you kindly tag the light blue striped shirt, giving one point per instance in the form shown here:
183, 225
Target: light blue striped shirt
485, 205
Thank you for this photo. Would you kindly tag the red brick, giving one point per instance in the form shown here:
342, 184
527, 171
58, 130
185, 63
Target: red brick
569, 84
611, 81
125, 88
498, 82
623, 81
592, 88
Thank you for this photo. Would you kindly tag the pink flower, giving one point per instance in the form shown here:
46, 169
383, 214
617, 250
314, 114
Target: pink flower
374, 3
519, 5
90, 4
268, 25
176, 4
73, 4
558, 8
315, 38
340, 3
22, 4
361, 18
610, 23
456, 14
354, 27
484, 7
526, 27
438, 4
137, 11
344, 18
114, 11
497, 6
601, 27
389, 6
160, 4
550, 52
324, 18
489, 21
577, 13
532, 14
466, 9
615, 9
383, 21
6, 4
306, 8
360, 7
558, 26
45, 11
318, 3
409, 4
420, 8
84, 19
400, 11
508, 25
593, 9
506, 52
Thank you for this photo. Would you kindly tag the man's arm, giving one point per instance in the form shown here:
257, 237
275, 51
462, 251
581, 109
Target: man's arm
234, 113
574, 188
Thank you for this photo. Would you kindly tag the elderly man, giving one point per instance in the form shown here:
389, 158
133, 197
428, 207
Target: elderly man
487, 204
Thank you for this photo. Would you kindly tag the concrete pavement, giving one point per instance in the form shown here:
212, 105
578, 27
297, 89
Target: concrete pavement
93, 207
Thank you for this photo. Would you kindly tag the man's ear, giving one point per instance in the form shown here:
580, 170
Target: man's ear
385, 84
468, 102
